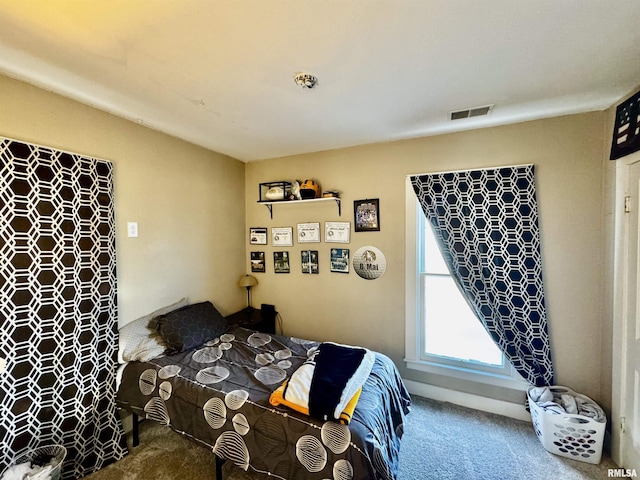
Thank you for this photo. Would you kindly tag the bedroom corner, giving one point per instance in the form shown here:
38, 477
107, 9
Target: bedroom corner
190, 225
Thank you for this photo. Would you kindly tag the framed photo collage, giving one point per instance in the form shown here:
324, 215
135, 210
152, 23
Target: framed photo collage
305, 235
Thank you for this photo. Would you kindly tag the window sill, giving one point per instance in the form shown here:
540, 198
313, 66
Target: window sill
514, 382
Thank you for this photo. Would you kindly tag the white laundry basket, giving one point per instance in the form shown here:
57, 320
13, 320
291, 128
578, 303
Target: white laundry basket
573, 436
52, 455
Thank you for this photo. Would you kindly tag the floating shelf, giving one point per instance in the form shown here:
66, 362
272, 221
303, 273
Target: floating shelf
270, 205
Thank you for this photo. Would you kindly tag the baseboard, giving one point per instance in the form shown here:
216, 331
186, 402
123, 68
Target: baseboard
469, 400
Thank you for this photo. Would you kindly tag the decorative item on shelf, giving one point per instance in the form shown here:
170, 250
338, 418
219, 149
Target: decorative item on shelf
274, 191
310, 189
295, 190
248, 281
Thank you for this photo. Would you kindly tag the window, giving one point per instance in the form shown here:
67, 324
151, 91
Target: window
443, 334
451, 331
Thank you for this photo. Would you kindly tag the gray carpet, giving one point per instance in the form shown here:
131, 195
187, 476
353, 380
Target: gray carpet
441, 442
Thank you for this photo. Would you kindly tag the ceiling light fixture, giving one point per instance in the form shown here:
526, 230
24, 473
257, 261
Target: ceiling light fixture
306, 80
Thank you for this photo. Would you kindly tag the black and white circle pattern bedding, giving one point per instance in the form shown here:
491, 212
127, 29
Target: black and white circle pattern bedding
219, 393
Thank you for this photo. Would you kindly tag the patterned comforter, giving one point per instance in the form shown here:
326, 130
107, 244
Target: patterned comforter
219, 393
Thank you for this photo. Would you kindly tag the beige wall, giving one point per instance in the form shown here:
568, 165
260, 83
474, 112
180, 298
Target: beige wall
186, 200
568, 154
193, 228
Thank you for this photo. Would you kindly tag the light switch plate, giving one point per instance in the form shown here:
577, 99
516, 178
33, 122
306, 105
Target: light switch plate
132, 229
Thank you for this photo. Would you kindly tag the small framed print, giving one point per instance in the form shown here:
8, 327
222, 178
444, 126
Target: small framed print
282, 237
281, 262
309, 260
337, 232
257, 262
258, 236
340, 260
626, 131
308, 233
367, 215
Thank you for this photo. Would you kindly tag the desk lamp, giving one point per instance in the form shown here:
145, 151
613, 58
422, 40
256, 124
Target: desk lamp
248, 281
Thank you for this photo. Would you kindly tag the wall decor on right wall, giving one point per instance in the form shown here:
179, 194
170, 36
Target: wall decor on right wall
626, 128
367, 215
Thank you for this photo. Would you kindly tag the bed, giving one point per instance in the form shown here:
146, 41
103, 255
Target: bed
217, 393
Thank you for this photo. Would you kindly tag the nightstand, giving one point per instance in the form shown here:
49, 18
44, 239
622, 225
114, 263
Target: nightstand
253, 319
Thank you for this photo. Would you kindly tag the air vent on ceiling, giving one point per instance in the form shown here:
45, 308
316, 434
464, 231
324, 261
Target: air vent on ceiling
471, 112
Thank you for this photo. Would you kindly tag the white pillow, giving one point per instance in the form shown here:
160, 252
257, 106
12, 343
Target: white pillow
140, 343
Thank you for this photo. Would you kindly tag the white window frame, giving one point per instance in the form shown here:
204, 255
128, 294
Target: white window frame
414, 328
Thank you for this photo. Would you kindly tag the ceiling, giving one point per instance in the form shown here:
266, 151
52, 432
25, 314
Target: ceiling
219, 73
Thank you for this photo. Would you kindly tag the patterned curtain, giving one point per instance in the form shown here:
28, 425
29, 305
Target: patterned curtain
486, 224
58, 330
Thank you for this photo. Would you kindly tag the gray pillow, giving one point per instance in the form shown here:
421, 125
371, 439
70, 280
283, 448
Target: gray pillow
190, 327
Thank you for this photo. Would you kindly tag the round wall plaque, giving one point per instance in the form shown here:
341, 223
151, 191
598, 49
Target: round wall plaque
369, 262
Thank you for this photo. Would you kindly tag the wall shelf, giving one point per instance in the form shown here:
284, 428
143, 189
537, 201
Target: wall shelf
270, 205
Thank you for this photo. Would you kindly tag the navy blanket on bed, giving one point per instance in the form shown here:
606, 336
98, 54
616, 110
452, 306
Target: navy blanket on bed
336, 366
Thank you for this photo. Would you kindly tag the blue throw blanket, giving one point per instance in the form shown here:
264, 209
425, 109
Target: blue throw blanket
339, 372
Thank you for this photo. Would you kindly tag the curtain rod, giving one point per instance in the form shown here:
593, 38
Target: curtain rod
469, 170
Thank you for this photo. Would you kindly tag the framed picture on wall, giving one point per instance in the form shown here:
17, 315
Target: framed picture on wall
257, 262
626, 129
258, 236
367, 215
337, 232
281, 262
282, 236
309, 261
340, 260
308, 232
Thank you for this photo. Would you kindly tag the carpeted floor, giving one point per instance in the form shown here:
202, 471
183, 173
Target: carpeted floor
441, 442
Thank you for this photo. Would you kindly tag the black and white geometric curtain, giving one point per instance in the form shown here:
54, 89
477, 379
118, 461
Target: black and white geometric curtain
58, 330
486, 224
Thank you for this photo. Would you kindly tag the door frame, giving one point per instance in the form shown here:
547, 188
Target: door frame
621, 265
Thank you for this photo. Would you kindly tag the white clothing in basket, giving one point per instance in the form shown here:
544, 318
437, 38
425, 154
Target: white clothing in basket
559, 403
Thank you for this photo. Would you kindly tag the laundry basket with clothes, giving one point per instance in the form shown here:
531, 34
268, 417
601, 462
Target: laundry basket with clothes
43, 463
567, 423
